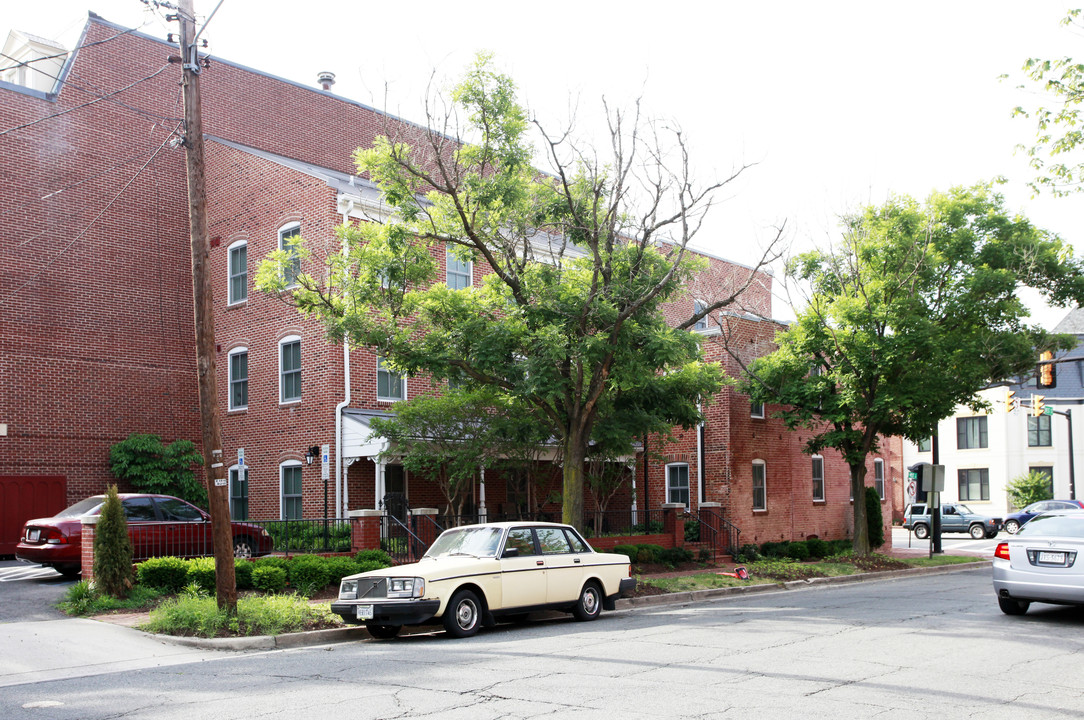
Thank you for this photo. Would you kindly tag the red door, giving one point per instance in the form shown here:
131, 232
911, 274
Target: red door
26, 497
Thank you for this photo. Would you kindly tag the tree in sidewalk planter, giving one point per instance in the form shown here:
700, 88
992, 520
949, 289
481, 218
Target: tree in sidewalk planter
874, 519
911, 314
1028, 488
113, 571
149, 465
569, 325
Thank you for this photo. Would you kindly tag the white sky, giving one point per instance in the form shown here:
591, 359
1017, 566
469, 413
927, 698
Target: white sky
838, 103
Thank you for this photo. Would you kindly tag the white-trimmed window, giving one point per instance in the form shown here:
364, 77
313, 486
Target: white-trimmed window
292, 267
760, 486
238, 371
818, 478
238, 493
756, 410
677, 484
390, 385
698, 307
459, 272
238, 270
290, 484
879, 477
290, 369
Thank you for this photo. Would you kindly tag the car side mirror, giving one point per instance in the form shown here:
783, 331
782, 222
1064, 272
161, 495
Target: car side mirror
510, 552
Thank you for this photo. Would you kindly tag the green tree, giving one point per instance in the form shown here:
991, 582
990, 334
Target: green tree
911, 314
1060, 125
1028, 488
570, 322
113, 570
149, 465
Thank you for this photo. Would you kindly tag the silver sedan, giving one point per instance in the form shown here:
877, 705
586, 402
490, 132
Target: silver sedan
1041, 563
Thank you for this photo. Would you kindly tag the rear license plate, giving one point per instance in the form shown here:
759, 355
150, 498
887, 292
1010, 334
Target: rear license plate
364, 612
1052, 558
32, 535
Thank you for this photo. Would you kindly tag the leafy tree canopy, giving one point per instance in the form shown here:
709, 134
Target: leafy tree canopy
149, 465
569, 326
908, 317
1029, 488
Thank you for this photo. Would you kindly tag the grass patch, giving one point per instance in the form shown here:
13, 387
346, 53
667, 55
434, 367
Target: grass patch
83, 599
198, 615
700, 581
937, 560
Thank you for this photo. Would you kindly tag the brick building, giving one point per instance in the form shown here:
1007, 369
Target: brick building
97, 338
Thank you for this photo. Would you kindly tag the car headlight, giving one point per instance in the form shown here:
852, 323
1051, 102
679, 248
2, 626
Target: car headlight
403, 587
348, 590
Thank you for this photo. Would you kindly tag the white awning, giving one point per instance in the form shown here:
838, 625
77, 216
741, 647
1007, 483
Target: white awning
359, 440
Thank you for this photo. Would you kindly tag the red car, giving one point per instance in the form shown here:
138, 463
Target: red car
158, 525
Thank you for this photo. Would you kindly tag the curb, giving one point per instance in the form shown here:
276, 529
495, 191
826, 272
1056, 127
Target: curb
348, 634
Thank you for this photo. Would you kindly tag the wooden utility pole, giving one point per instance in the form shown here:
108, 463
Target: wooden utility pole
214, 465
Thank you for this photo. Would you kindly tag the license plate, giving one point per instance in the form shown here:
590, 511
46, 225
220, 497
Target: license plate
364, 612
1053, 558
32, 535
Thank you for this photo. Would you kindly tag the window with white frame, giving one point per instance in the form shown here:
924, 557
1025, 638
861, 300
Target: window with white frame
698, 307
760, 486
238, 371
925, 445
237, 255
971, 433
290, 369
677, 484
288, 234
974, 484
390, 385
238, 493
879, 477
459, 272
818, 478
756, 410
290, 475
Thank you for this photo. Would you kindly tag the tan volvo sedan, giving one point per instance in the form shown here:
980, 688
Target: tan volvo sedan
477, 574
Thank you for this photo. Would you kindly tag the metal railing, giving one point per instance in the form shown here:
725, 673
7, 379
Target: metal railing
721, 533
622, 522
401, 539
308, 536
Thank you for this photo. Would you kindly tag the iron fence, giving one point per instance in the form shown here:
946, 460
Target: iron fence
622, 522
308, 536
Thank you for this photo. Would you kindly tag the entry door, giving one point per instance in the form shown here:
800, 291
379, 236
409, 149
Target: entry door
395, 498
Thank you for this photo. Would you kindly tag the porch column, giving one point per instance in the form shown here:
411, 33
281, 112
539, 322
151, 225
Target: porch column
379, 482
632, 466
482, 494
673, 522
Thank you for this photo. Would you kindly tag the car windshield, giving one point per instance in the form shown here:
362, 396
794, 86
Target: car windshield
476, 541
1061, 525
83, 507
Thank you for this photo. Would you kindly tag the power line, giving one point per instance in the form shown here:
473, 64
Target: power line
26, 63
98, 217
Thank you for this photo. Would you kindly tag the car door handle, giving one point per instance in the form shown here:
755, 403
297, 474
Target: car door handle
577, 560
539, 562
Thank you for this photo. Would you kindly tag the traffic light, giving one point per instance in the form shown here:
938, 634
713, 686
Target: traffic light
1048, 374
1010, 401
1037, 406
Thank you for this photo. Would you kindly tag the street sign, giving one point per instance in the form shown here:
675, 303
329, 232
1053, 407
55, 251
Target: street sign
1047, 410
325, 468
241, 459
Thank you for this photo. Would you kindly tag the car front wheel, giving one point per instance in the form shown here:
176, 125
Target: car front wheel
978, 532
242, 548
922, 532
589, 605
1013, 607
463, 614
1012, 527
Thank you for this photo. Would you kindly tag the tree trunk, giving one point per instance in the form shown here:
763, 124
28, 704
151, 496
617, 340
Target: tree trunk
572, 487
858, 493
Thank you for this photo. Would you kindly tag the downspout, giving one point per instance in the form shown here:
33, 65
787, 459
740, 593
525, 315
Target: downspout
700, 464
341, 495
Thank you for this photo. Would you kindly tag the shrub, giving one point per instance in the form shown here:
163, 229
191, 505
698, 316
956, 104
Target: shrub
169, 574
154, 467
268, 578
1028, 488
674, 556
272, 561
201, 571
629, 551
648, 553
340, 567
747, 553
242, 571
841, 546
817, 548
308, 574
797, 550
704, 555
874, 519
371, 556
692, 530
774, 549
112, 548
370, 565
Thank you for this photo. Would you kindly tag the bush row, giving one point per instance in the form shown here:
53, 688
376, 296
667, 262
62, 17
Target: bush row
648, 553
306, 574
810, 549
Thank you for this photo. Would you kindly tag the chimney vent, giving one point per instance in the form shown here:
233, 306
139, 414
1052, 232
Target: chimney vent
326, 79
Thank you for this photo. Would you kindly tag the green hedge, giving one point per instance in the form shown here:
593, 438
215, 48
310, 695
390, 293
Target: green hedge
169, 574
269, 579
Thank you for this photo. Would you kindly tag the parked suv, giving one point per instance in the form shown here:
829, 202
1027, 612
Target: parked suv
955, 517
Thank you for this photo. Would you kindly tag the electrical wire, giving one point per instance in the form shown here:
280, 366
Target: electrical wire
26, 63
84, 231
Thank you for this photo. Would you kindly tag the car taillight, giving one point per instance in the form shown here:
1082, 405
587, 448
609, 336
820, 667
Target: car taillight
54, 536
1002, 551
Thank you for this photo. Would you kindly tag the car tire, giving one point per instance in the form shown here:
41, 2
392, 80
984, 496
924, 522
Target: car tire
1013, 607
589, 604
242, 547
977, 532
1012, 527
463, 615
921, 531
383, 632
991, 535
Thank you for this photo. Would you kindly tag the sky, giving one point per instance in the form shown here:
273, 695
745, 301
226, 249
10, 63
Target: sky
834, 104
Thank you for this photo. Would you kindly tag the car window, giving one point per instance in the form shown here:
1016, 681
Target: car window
918, 509
175, 510
1054, 525
961, 508
139, 509
552, 541
478, 541
83, 507
949, 510
522, 540
577, 543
